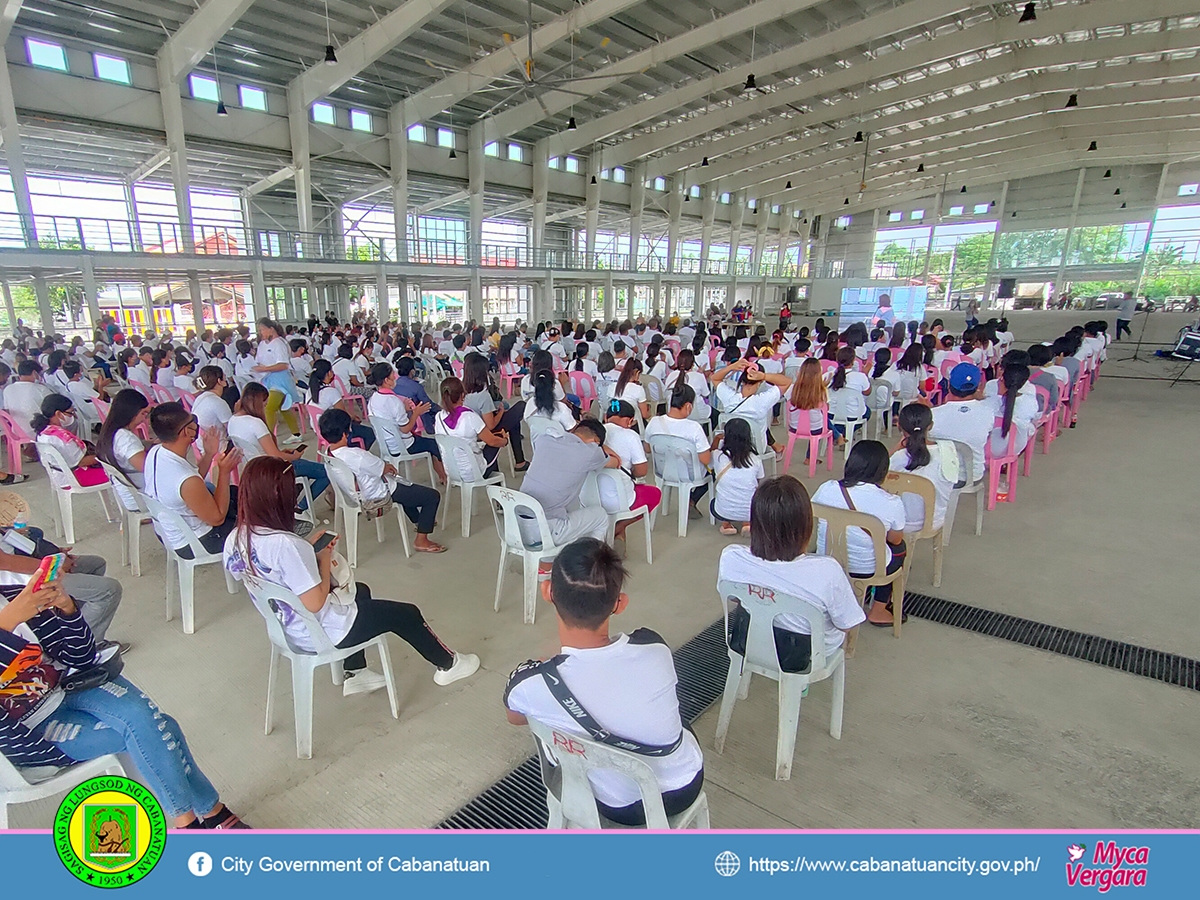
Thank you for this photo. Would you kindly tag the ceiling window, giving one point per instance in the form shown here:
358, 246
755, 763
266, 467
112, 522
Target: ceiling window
492, 149
917, 214
445, 137
46, 54
895, 216
981, 209
516, 153
1188, 190
360, 120
324, 114
660, 184
725, 199
572, 165
775, 209
842, 222
552, 162
417, 133
111, 68
252, 97
956, 210
695, 191
619, 175
204, 88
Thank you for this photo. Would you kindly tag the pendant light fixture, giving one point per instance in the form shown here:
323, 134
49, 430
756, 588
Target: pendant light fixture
963, 190
920, 168
1030, 13
704, 163
1108, 173
1072, 102
788, 186
1092, 147
221, 110
571, 126
330, 56
750, 85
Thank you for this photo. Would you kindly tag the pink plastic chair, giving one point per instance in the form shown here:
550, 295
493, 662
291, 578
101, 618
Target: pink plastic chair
509, 373
145, 390
995, 464
896, 352
583, 385
827, 366
348, 397
713, 355
102, 407
161, 394
814, 440
188, 400
935, 395
457, 367
1047, 423
16, 438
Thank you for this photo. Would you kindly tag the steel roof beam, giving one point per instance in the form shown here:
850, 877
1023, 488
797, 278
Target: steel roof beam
198, 35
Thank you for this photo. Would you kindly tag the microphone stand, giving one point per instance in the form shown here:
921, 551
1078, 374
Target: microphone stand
1138, 347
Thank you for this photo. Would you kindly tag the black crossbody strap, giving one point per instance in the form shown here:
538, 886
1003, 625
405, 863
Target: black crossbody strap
561, 693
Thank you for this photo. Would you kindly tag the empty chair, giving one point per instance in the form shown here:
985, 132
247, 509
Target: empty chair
459, 458
677, 465
837, 522
15, 438
349, 505
182, 571
66, 487
267, 599
349, 399
509, 373
574, 806
839, 417
16, 788
761, 658
508, 508
880, 403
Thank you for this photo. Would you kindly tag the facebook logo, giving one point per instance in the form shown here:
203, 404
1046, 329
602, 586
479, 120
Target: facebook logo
200, 864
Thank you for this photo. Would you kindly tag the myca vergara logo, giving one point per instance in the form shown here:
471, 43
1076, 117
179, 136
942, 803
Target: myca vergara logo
110, 832
1110, 866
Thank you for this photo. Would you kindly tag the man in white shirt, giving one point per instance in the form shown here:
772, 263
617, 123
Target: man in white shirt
1125, 313
377, 480
23, 397
966, 416
607, 688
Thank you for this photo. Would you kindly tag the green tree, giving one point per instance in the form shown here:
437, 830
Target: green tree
66, 300
1021, 249
1099, 245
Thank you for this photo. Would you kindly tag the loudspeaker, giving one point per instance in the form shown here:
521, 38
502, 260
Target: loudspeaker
1008, 288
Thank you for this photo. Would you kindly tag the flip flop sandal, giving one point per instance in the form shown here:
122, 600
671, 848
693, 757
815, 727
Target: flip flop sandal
728, 529
436, 548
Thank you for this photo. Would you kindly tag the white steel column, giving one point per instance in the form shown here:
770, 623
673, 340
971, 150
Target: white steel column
735, 230
381, 293
657, 293
937, 218
990, 283
760, 236
258, 291
398, 160
1066, 250
476, 185
674, 212
541, 191
8, 304
301, 164
1158, 202
610, 297
90, 291
42, 293
10, 134
785, 237
637, 205
197, 296
591, 213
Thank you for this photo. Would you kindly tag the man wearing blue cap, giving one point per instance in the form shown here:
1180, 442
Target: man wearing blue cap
966, 416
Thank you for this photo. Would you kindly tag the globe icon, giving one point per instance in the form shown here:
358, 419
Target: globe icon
728, 863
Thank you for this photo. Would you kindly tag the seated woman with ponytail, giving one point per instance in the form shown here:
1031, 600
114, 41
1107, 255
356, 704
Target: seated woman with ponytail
386, 404
249, 427
921, 455
621, 438
582, 362
545, 405
54, 426
848, 391
324, 395
184, 379
456, 419
485, 400
629, 388
686, 371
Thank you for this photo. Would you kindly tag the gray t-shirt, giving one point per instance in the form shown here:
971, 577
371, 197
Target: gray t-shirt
560, 465
480, 402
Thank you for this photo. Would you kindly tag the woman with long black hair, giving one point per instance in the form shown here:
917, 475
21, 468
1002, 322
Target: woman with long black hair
483, 398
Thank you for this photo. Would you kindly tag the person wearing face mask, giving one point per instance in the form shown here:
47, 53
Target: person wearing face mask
55, 426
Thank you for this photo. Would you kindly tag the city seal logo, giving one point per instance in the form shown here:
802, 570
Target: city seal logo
110, 832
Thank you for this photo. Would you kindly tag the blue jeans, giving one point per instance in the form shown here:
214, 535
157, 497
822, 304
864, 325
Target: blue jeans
840, 430
118, 718
315, 473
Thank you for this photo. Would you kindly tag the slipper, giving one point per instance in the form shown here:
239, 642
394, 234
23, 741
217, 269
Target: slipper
14, 479
435, 548
745, 529
728, 529
521, 467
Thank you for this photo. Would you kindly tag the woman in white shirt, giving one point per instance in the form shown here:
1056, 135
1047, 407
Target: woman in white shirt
184, 379
162, 368
685, 368
752, 395
323, 395
55, 426
273, 369
621, 438
583, 362
210, 407
848, 391
457, 420
736, 473
120, 446
678, 422
544, 403
921, 455
1016, 410
629, 388
345, 368
248, 430
781, 524
265, 547
860, 489
386, 404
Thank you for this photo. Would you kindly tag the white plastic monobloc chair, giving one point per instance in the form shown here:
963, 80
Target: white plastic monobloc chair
182, 572
16, 788
458, 452
761, 658
880, 402
966, 485
348, 505
267, 598
901, 483
677, 465
508, 508
131, 519
386, 430
837, 410
66, 487
618, 485
567, 759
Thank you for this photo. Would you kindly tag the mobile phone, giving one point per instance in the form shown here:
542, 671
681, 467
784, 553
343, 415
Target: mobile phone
48, 569
324, 541
300, 448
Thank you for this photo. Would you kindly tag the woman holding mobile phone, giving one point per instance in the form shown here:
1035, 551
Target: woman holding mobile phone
248, 429
265, 547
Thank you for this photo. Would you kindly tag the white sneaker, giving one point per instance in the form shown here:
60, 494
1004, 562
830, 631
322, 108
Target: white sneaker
362, 682
465, 665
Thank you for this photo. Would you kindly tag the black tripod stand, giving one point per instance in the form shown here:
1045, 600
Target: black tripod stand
1141, 336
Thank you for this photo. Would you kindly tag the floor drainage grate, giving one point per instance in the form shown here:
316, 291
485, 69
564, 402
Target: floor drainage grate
1166, 667
518, 800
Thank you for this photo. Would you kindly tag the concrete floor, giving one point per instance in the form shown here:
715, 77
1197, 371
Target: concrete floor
942, 729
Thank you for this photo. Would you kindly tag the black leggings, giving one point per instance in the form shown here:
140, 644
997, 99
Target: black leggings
883, 592
510, 421
420, 505
675, 802
376, 617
